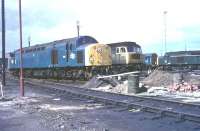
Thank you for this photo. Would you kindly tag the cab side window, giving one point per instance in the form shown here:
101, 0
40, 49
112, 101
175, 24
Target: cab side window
117, 50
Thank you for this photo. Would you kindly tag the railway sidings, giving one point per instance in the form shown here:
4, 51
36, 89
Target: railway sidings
61, 106
160, 107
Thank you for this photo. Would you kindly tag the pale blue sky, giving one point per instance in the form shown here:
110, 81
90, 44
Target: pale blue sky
108, 21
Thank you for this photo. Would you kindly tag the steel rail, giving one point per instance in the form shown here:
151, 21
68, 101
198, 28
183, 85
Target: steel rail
128, 95
86, 93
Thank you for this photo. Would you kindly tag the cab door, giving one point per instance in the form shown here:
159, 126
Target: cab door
121, 53
54, 57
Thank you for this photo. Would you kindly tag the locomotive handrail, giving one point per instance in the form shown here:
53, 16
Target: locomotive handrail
122, 74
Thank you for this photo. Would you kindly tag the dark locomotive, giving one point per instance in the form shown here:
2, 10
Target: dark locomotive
184, 59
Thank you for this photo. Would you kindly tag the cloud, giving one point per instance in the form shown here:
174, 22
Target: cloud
35, 13
107, 21
10, 18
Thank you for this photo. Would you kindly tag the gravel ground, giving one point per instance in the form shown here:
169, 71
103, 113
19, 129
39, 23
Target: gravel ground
43, 110
157, 85
167, 78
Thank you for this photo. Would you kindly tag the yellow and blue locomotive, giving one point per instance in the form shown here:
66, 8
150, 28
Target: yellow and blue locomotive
67, 58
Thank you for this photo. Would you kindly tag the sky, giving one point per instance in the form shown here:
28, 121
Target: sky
108, 21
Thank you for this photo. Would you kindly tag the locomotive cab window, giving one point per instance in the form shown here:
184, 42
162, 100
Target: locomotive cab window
120, 50
117, 50
123, 50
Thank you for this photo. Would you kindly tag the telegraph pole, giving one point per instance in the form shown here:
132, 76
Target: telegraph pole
3, 43
21, 60
165, 30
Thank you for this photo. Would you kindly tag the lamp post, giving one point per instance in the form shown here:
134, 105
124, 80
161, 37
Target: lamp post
3, 42
21, 60
165, 29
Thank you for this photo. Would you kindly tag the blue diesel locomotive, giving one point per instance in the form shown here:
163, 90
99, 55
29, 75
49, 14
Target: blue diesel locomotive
66, 58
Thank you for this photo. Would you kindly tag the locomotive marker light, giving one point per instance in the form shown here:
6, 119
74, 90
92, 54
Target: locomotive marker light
3, 43
21, 61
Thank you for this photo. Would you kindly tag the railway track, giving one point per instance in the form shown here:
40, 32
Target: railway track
161, 107
179, 67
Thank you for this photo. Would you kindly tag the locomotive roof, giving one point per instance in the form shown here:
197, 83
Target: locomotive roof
58, 42
195, 52
125, 43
